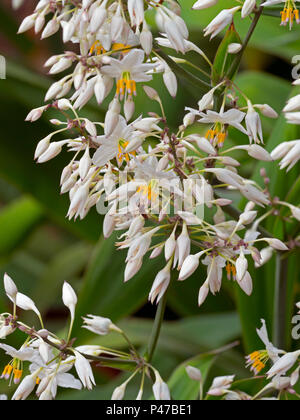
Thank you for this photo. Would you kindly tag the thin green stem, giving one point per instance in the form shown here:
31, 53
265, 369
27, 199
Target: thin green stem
236, 63
280, 302
159, 317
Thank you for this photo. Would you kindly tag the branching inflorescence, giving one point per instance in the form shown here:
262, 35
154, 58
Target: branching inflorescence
164, 188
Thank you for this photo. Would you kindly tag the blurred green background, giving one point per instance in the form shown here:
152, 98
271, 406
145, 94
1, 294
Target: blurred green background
40, 248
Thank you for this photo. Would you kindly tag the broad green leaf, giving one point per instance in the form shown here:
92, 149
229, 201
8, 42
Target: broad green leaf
223, 60
17, 220
63, 267
184, 388
104, 292
184, 337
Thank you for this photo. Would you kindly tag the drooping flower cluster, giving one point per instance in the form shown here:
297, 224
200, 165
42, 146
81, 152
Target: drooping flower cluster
51, 358
164, 189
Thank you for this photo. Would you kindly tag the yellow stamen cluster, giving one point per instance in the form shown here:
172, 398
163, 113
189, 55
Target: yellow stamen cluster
98, 48
126, 85
257, 360
289, 14
149, 191
231, 270
216, 136
12, 368
122, 154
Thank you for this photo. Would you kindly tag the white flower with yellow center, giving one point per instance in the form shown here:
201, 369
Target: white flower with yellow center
114, 146
128, 71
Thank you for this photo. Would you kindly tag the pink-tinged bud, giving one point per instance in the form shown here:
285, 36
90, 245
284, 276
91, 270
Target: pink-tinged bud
25, 303
51, 28
99, 90
42, 146
223, 19
84, 371
51, 152
184, 245
295, 212
160, 284
146, 124
129, 108
234, 48
112, 117
170, 81
54, 90
207, 101
156, 252
189, 266
64, 104
170, 246
39, 23
85, 164
174, 35
98, 18
27, 23
78, 200
204, 4
266, 254
132, 268
69, 298
109, 222
11, 289
68, 30
258, 152
189, 119
25, 388
63, 64
160, 389
194, 373
203, 293
283, 364
36, 114
276, 244
222, 202
119, 392
248, 8
202, 143
99, 325
146, 39
293, 104
117, 25
267, 111
246, 283
247, 217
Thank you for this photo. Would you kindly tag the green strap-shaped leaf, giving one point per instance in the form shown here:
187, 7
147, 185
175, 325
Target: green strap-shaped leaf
17, 220
223, 60
180, 384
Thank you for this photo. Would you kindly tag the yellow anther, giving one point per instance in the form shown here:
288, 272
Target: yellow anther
221, 139
148, 191
289, 14
122, 154
97, 48
17, 375
126, 85
37, 381
7, 371
121, 47
257, 360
